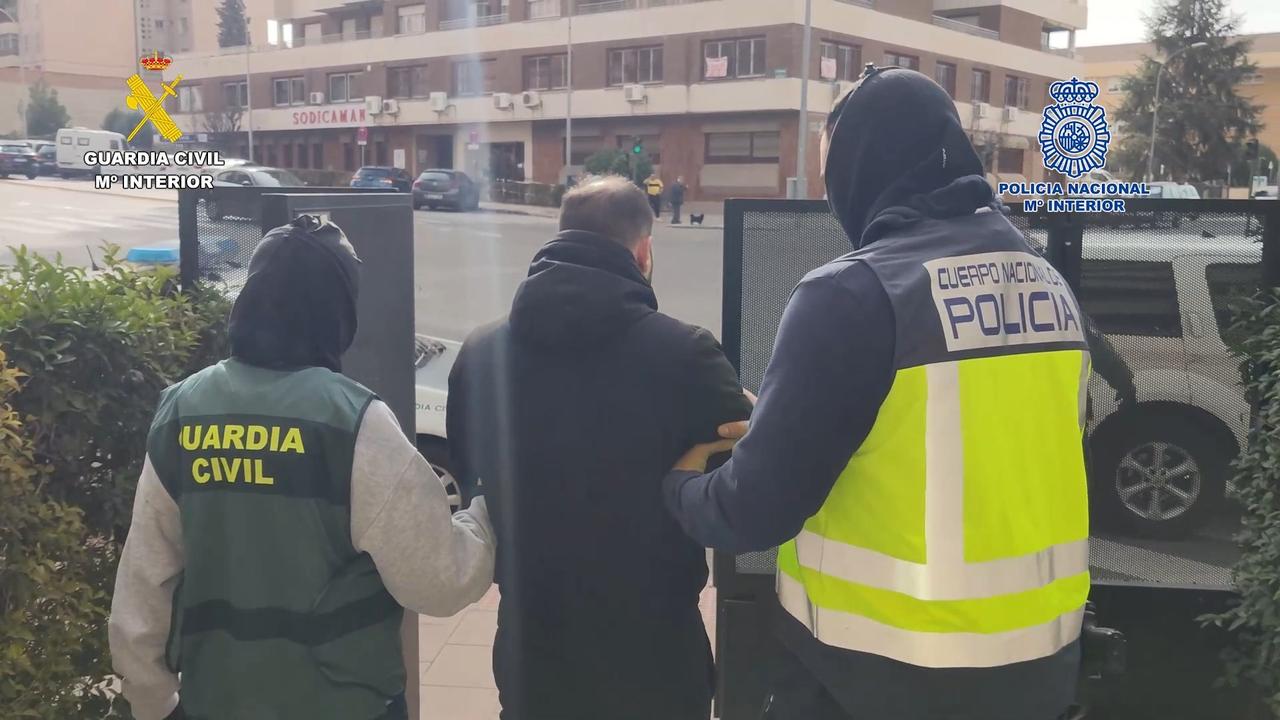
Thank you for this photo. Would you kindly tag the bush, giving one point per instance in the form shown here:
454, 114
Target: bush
1254, 657
47, 604
620, 162
95, 350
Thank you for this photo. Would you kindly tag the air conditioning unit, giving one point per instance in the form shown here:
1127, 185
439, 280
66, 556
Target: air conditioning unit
1010, 114
390, 107
373, 104
439, 101
316, 98
502, 101
530, 98
635, 93
981, 110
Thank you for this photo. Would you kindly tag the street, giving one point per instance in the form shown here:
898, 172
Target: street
468, 265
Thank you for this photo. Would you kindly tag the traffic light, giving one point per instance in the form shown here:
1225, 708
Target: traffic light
637, 146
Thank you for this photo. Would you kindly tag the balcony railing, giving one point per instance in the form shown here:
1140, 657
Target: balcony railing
587, 7
1064, 52
543, 9
860, 3
476, 21
965, 27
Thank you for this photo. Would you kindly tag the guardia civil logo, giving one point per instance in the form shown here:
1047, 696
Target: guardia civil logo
1073, 134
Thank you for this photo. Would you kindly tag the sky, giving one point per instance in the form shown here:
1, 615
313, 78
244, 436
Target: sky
1120, 21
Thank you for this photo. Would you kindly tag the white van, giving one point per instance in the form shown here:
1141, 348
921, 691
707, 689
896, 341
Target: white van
1160, 467
73, 143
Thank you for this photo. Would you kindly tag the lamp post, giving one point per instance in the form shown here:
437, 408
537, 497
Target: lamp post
568, 94
248, 86
1155, 108
802, 142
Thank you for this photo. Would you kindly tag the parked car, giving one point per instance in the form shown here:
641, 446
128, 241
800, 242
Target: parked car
1160, 465
445, 188
221, 203
47, 159
433, 359
371, 176
39, 145
17, 158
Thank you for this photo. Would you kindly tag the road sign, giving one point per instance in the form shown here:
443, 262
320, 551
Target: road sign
362, 136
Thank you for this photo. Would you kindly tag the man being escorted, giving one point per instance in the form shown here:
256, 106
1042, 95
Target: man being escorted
283, 518
571, 410
916, 450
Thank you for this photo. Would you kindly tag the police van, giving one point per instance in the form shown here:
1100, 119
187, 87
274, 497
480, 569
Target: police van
73, 143
1160, 467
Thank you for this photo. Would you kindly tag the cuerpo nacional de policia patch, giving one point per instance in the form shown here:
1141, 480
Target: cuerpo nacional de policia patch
1073, 134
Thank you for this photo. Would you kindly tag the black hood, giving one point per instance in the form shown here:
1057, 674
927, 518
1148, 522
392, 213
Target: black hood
896, 142
583, 289
298, 306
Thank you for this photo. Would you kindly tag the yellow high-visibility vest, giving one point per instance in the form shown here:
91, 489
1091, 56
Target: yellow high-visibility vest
653, 186
957, 535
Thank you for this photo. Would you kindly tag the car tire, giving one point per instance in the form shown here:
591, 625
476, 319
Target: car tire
1157, 475
431, 207
32, 175
436, 451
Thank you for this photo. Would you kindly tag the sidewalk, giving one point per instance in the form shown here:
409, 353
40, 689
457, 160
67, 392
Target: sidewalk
455, 659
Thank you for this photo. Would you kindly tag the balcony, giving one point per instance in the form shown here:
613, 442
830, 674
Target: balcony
860, 3
965, 27
544, 9
474, 21
589, 7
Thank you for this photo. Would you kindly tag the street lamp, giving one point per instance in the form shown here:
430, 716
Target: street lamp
1155, 108
802, 142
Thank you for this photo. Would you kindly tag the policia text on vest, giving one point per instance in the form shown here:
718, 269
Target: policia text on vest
250, 470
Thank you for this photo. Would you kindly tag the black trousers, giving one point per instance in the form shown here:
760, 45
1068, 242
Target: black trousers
675, 213
795, 694
655, 202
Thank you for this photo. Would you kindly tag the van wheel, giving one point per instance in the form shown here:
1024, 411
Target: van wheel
436, 451
31, 174
1158, 476
212, 210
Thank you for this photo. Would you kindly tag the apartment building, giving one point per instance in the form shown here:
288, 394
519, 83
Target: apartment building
83, 48
711, 87
1107, 65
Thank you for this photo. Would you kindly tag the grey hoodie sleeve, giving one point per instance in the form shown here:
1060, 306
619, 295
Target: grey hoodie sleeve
142, 602
431, 562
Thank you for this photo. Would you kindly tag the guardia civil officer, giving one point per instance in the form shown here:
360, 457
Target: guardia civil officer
916, 448
282, 518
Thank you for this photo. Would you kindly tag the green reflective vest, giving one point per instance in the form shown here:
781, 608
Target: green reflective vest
957, 535
277, 616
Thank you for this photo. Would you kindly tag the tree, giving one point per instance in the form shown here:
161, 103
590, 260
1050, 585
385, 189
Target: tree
124, 121
1243, 166
1203, 121
232, 24
45, 114
619, 162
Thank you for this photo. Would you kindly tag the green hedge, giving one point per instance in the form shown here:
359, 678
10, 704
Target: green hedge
94, 350
1254, 658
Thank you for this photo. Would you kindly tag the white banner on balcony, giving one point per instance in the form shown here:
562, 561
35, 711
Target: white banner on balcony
718, 67
829, 69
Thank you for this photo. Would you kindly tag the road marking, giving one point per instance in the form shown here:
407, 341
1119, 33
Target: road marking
95, 223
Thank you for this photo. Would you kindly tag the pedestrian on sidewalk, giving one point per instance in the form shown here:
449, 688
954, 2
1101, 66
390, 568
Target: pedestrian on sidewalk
677, 199
653, 188
591, 394
282, 520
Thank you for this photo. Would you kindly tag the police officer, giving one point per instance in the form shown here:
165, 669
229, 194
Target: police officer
283, 519
916, 449
653, 189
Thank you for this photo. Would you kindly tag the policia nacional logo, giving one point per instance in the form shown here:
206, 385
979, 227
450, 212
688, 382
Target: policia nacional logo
1074, 135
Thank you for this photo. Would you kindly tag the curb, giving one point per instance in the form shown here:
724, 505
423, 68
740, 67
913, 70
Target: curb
104, 193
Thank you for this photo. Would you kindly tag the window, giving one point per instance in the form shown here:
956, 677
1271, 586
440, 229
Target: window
303, 157
892, 57
236, 94
652, 146
545, 72
981, 86
290, 91
287, 155
1009, 161
317, 156
733, 58
312, 33
183, 27
635, 65
411, 19
189, 100
1230, 283
742, 147
271, 154
1131, 298
159, 24
1015, 91
342, 88
583, 148
1252, 79
840, 62
945, 74
407, 82
472, 77
348, 157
